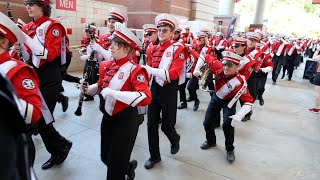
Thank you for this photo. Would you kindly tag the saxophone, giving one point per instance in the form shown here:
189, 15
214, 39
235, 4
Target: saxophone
204, 72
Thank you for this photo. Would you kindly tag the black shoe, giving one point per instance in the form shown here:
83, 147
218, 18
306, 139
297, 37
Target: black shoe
131, 174
189, 99
64, 154
65, 103
289, 79
274, 83
230, 156
196, 105
176, 146
182, 105
261, 101
246, 118
207, 145
282, 76
150, 163
50, 163
89, 98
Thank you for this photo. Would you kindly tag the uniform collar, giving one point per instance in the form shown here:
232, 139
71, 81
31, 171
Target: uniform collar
121, 61
165, 44
4, 57
41, 20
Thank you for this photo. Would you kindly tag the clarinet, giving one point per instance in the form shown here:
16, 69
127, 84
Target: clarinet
88, 72
9, 11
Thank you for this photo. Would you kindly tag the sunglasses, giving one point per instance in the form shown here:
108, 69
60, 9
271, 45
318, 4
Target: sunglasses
253, 40
28, 3
236, 45
228, 63
149, 33
164, 31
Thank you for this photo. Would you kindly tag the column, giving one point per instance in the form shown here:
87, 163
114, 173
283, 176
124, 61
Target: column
259, 12
226, 8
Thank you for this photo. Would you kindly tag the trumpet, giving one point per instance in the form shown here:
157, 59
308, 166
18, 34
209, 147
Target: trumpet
76, 47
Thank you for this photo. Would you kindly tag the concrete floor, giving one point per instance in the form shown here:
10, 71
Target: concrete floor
282, 141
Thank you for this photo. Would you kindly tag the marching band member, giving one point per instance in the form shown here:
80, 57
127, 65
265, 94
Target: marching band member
22, 76
292, 50
277, 50
123, 85
166, 63
187, 37
48, 53
150, 31
115, 15
265, 66
219, 45
90, 28
230, 86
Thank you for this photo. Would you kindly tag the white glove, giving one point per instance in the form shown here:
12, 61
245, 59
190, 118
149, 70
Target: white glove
84, 57
245, 109
96, 47
25, 54
236, 119
107, 92
148, 68
188, 75
199, 64
266, 69
318, 47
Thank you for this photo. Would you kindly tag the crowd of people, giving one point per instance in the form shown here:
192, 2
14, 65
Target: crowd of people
231, 69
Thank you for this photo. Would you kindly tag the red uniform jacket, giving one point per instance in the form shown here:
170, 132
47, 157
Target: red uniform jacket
226, 87
137, 81
26, 84
266, 61
155, 55
53, 35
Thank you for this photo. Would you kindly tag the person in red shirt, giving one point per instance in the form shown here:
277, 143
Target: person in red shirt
46, 43
230, 86
22, 77
166, 62
123, 89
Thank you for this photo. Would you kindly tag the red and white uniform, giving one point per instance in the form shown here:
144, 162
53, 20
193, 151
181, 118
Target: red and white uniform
150, 48
292, 49
220, 44
266, 61
187, 38
105, 41
26, 84
203, 49
278, 48
123, 75
226, 87
192, 61
170, 57
51, 35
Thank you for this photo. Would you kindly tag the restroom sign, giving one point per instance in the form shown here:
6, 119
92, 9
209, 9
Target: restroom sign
69, 5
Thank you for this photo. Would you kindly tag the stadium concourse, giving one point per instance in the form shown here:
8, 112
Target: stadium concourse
281, 141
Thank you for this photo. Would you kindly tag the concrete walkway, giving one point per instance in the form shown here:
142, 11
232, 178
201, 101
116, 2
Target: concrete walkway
282, 141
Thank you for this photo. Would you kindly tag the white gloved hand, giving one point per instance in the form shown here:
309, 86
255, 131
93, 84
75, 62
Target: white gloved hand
318, 47
267, 69
84, 57
236, 119
96, 47
196, 73
188, 75
148, 68
107, 92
